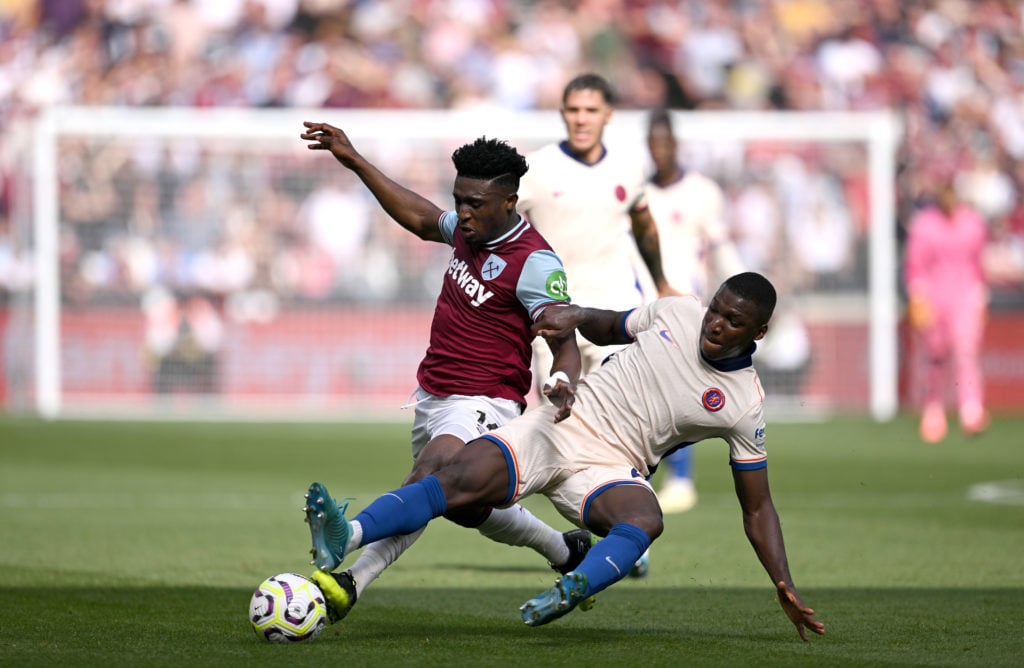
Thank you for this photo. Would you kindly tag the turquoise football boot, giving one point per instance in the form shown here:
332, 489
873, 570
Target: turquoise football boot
568, 592
328, 527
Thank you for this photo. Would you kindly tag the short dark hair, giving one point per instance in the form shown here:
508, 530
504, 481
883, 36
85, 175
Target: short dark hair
590, 81
660, 116
755, 288
490, 160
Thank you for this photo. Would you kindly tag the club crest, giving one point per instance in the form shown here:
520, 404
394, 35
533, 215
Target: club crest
713, 399
492, 267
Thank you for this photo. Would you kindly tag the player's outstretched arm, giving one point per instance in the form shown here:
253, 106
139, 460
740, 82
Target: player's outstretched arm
761, 524
410, 210
598, 326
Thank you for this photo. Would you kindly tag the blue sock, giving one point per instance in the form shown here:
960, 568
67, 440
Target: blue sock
402, 511
613, 556
679, 462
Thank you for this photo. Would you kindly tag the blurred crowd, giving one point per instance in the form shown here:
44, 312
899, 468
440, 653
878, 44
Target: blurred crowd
952, 69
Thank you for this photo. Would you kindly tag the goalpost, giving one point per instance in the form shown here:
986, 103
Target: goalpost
324, 318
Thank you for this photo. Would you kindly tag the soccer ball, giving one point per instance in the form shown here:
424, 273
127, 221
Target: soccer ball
287, 608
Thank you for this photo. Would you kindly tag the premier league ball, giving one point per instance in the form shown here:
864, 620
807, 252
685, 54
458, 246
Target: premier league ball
287, 608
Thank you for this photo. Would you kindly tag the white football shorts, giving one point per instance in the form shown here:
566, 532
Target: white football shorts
462, 416
565, 462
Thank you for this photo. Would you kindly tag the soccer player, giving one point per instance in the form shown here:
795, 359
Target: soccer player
947, 299
590, 203
696, 253
687, 376
476, 371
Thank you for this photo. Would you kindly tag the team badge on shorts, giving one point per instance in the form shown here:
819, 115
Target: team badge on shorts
713, 399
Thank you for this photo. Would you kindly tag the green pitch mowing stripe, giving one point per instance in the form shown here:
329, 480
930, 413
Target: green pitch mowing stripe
476, 626
140, 544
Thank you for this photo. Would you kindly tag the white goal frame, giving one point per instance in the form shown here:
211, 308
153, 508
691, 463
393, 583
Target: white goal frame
879, 130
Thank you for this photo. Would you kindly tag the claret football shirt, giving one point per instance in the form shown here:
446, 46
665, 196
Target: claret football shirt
480, 336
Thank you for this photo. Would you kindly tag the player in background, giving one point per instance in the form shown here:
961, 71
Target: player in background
947, 297
696, 253
687, 376
590, 203
476, 372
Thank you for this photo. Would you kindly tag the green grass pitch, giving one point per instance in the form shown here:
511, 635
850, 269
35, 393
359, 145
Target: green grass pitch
140, 544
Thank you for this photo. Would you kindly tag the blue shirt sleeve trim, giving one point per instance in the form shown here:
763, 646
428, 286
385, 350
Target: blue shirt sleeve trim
622, 325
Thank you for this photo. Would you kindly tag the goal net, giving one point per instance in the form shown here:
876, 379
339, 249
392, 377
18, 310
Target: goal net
192, 262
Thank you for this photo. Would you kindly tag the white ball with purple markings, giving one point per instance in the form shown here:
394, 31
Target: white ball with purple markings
288, 608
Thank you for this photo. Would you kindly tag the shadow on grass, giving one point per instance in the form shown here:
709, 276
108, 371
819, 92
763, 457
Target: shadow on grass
632, 626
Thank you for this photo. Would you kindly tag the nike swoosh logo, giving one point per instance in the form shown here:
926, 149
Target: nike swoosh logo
614, 565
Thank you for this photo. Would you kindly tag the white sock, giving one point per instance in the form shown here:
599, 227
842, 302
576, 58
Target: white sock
355, 538
518, 526
376, 557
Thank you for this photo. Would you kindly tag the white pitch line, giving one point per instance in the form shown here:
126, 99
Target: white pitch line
1008, 492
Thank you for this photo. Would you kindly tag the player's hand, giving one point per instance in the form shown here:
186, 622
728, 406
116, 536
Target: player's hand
919, 312
325, 137
798, 613
558, 322
562, 395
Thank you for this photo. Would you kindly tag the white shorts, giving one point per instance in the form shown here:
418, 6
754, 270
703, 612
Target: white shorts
565, 462
465, 417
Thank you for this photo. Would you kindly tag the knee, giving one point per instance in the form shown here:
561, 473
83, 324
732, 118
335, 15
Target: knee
648, 519
420, 470
650, 524
626, 504
439, 453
